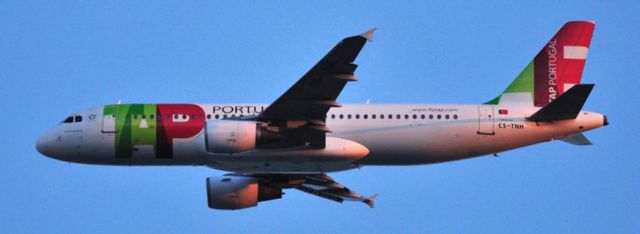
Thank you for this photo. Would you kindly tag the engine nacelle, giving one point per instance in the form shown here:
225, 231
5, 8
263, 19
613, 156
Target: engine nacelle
238, 192
230, 136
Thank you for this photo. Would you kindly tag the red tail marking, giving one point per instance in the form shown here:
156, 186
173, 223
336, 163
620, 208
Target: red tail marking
551, 70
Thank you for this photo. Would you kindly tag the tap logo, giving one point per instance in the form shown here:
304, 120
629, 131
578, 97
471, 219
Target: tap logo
156, 125
552, 75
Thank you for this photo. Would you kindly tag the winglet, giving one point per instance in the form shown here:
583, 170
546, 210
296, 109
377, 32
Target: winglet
369, 34
370, 200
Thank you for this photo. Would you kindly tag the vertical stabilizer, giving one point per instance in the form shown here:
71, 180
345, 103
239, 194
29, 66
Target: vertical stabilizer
554, 70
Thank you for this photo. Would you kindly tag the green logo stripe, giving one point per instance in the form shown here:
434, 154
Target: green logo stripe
522, 84
135, 125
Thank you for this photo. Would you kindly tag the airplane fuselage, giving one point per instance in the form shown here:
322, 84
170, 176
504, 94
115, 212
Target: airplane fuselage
361, 134
305, 133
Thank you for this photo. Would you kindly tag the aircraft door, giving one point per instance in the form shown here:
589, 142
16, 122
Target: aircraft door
109, 123
485, 120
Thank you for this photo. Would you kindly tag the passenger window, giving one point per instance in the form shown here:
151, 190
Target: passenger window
341, 116
208, 116
135, 116
224, 116
151, 116
422, 116
78, 118
390, 116
406, 116
357, 116
366, 116
430, 116
439, 116
415, 116
373, 116
176, 116
381, 116
398, 116
349, 116
333, 116
455, 116
143, 116
217, 116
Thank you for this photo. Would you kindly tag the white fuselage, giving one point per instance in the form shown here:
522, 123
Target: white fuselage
367, 134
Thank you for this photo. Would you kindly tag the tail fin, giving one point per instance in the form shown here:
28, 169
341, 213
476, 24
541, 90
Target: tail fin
554, 70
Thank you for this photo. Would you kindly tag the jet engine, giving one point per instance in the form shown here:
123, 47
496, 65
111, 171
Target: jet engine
238, 192
235, 136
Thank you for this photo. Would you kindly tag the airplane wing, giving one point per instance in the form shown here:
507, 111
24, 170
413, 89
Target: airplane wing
305, 104
320, 185
324, 186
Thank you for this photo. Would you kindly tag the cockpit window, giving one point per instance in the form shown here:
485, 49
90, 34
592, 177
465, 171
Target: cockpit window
68, 120
73, 118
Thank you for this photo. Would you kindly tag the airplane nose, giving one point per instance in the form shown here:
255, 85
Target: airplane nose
44, 144
41, 145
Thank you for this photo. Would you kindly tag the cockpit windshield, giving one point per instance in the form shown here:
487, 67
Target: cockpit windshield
72, 119
68, 120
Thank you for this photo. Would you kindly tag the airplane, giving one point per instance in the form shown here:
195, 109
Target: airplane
305, 133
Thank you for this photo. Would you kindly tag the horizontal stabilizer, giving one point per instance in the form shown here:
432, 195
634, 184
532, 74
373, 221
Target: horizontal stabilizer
577, 139
567, 106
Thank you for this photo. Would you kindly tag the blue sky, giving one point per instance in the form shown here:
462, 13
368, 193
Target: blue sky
57, 58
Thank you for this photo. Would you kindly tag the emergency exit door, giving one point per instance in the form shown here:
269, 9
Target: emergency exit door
485, 120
